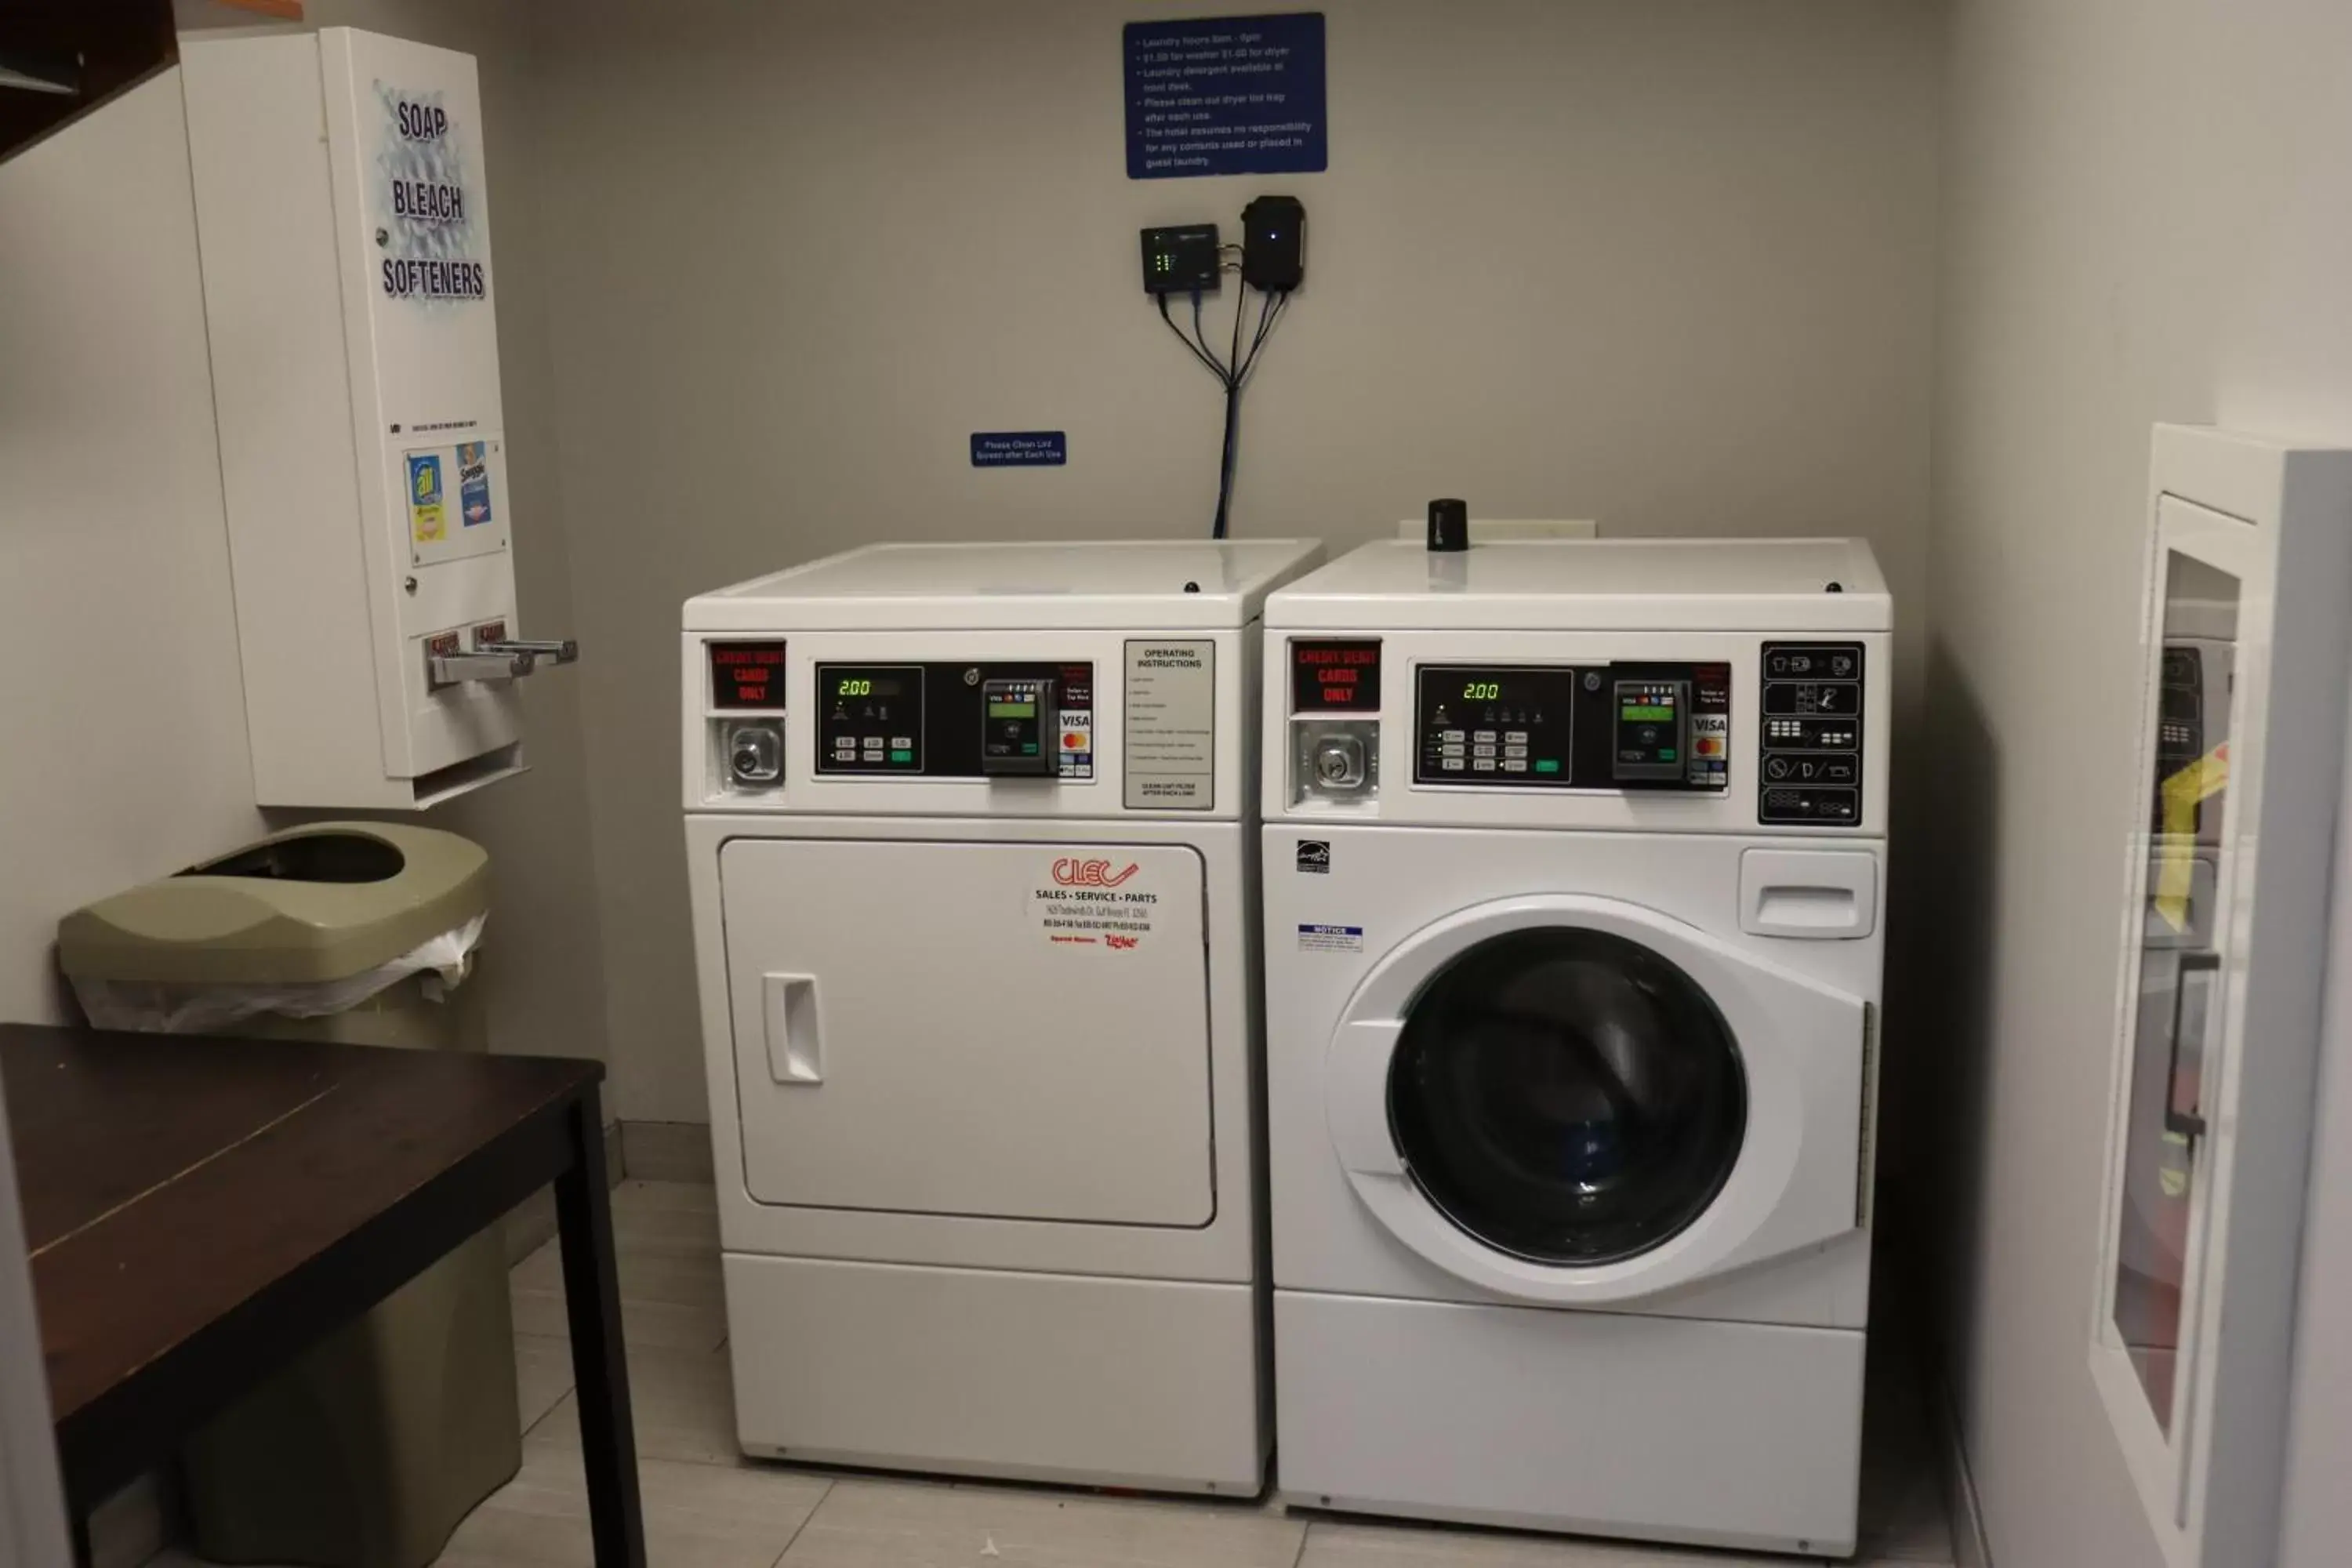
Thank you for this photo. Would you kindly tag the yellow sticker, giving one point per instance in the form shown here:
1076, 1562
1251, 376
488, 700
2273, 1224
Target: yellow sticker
426, 523
2176, 850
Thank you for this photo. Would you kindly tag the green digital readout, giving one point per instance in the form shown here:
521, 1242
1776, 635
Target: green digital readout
850, 686
1649, 712
1481, 691
1011, 710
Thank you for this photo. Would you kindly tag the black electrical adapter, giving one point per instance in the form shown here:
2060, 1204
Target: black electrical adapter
1273, 244
1182, 259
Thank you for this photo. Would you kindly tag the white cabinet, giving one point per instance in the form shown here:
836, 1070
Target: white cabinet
2238, 791
344, 224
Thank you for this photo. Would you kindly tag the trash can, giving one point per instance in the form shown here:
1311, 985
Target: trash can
370, 1450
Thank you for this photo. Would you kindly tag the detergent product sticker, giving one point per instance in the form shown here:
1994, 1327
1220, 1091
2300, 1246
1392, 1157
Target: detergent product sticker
473, 483
426, 521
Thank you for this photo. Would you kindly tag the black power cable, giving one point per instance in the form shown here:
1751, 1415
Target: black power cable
1233, 372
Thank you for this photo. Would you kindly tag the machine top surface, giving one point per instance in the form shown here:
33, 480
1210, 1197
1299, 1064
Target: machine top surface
1598, 585
1157, 584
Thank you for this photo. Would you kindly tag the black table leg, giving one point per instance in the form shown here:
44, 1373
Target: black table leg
592, 1295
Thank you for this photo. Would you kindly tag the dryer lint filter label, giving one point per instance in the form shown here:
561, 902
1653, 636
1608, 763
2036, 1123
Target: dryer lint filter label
1170, 755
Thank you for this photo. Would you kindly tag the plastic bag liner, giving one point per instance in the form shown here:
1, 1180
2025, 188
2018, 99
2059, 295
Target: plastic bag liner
158, 1009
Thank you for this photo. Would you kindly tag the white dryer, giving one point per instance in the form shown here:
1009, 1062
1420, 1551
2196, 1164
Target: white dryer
1574, 863
971, 832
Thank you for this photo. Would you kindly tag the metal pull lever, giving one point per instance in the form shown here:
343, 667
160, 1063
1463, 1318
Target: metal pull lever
2189, 1123
564, 652
448, 668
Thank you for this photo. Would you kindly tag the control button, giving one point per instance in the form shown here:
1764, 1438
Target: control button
1484, 735
1515, 765
1454, 750
1482, 751
1547, 764
1483, 765
901, 742
1514, 750
907, 756
1515, 737
1451, 737
1452, 764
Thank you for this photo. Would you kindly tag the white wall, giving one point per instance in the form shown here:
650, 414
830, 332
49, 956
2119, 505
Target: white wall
1669, 265
123, 752
2146, 220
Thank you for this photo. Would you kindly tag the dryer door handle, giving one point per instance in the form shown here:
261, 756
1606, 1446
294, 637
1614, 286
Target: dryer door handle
794, 1026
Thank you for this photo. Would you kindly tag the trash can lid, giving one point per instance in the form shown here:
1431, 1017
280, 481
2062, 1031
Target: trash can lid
319, 902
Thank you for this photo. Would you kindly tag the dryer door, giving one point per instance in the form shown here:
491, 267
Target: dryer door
1577, 1100
1013, 1031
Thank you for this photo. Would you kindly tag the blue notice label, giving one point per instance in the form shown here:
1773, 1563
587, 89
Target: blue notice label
1226, 95
1019, 449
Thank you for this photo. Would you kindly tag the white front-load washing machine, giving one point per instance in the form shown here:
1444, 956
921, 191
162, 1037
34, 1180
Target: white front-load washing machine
1574, 871
971, 834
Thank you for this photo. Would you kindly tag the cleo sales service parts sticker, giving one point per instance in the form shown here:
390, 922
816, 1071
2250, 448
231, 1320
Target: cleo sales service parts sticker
1092, 901
425, 522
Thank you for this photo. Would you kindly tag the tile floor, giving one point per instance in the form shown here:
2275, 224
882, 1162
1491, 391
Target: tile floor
708, 1506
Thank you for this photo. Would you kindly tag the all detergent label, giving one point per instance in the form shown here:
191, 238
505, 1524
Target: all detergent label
427, 520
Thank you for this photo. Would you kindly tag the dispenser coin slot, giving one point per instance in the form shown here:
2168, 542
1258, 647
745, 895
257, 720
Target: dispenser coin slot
1021, 728
1653, 720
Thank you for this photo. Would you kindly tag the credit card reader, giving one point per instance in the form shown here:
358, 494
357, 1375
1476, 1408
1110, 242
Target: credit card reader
1651, 717
1020, 718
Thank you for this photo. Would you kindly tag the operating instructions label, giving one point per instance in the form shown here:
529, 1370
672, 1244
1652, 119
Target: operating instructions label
1171, 724
1226, 95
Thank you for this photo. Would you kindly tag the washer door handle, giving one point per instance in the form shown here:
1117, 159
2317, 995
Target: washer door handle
1356, 1086
794, 1026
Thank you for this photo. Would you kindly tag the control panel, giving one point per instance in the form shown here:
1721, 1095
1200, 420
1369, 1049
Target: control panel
1809, 733
1652, 725
944, 720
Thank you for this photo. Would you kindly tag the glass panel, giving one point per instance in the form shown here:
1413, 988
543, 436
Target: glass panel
2179, 968
1567, 1096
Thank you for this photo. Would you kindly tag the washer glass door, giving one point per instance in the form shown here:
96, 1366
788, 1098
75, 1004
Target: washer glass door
1567, 1096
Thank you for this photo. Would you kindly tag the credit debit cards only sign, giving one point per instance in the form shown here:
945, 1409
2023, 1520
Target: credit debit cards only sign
1019, 449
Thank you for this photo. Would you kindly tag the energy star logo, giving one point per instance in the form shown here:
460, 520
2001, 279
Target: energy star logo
1314, 856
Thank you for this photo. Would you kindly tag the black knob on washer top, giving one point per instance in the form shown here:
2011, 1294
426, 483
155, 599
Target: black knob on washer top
1449, 525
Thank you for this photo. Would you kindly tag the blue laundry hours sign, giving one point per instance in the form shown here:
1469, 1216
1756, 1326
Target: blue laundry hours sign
1226, 95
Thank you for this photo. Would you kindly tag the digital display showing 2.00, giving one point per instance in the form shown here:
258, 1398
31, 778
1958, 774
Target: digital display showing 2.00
867, 686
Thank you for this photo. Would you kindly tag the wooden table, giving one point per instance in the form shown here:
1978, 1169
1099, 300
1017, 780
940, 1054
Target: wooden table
200, 1211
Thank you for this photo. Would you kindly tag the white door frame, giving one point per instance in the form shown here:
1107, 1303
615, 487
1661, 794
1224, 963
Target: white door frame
2279, 519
